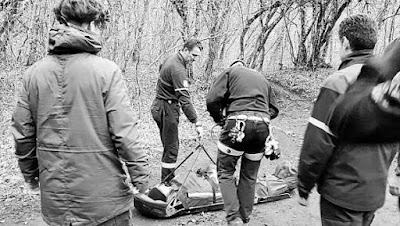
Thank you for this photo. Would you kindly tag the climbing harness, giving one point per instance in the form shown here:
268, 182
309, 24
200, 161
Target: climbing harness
237, 132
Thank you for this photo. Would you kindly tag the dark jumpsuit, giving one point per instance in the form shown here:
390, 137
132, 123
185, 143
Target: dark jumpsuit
243, 93
171, 95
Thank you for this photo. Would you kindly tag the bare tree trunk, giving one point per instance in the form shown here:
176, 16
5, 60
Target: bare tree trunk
273, 17
138, 49
301, 58
181, 7
11, 11
219, 11
326, 19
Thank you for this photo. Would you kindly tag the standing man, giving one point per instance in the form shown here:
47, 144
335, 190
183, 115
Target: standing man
172, 93
74, 127
351, 178
249, 102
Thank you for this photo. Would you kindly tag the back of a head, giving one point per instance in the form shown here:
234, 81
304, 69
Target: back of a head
360, 30
80, 12
192, 43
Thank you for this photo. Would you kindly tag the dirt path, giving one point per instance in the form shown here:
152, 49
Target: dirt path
289, 130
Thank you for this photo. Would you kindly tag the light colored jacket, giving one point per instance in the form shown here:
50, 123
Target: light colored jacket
74, 114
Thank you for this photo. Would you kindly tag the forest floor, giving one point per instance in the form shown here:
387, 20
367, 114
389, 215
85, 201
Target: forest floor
18, 208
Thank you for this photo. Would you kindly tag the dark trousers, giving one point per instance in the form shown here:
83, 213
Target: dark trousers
166, 114
333, 215
239, 197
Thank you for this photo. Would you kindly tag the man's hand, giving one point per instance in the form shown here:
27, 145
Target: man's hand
199, 130
302, 201
302, 198
394, 185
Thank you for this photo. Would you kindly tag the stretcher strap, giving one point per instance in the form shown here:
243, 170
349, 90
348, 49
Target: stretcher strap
187, 157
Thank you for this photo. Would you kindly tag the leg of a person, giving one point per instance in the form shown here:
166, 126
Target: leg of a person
124, 219
333, 215
227, 182
397, 170
254, 142
246, 188
170, 139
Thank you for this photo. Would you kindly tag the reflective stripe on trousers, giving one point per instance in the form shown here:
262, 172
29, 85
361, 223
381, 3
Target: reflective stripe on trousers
230, 151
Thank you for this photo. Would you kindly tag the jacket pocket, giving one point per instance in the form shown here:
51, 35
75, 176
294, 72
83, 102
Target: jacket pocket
155, 110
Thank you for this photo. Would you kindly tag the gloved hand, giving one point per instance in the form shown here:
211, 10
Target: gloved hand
199, 130
272, 150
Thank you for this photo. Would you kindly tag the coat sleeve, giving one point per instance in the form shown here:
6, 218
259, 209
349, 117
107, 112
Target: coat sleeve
217, 97
318, 143
273, 105
24, 131
180, 82
124, 131
357, 117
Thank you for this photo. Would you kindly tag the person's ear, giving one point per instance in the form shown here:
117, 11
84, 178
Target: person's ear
93, 27
346, 44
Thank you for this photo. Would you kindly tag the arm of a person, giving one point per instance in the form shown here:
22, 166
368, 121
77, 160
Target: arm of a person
24, 131
216, 97
318, 144
180, 83
273, 105
125, 132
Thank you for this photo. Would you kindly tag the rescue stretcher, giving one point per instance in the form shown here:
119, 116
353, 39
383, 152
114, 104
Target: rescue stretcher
178, 203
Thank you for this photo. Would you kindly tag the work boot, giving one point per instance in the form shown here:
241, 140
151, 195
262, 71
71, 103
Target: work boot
236, 222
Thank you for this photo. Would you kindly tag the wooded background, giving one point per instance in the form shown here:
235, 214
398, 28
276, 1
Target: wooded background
268, 35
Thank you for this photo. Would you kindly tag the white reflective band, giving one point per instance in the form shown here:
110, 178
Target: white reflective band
320, 125
229, 151
168, 165
251, 118
254, 157
180, 89
26, 155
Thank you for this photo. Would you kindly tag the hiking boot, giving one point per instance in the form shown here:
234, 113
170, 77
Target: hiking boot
236, 222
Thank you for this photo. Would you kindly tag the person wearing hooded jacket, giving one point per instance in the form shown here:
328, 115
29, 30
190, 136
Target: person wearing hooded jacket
74, 127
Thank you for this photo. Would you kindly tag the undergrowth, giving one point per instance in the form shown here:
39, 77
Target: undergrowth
302, 82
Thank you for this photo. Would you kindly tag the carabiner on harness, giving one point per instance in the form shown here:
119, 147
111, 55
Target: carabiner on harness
237, 132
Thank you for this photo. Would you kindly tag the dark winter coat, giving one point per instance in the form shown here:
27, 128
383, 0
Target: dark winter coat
239, 89
352, 176
356, 117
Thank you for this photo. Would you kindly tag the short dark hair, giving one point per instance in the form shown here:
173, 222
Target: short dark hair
192, 43
81, 11
360, 30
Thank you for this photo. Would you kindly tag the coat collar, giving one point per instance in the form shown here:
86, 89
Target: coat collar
356, 57
68, 39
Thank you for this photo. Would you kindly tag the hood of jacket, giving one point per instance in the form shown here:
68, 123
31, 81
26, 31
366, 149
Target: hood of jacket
68, 39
